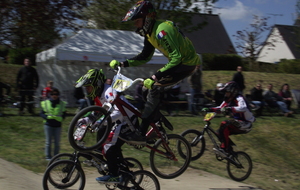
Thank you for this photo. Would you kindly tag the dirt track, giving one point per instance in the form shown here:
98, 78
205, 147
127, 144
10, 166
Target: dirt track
14, 177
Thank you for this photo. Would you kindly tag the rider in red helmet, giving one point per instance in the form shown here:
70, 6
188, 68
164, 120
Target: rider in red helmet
242, 116
168, 39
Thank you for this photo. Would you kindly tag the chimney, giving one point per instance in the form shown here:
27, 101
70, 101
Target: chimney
209, 11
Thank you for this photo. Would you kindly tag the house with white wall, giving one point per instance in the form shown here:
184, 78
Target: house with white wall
281, 44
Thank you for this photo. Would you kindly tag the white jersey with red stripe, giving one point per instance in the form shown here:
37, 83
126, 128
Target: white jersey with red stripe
108, 95
239, 108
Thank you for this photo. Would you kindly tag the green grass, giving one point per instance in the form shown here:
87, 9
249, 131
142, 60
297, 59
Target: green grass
272, 144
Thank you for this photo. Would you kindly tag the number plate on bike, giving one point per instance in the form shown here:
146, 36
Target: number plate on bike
121, 83
79, 133
208, 116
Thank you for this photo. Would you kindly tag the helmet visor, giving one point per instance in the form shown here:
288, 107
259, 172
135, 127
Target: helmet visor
86, 79
129, 15
132, 12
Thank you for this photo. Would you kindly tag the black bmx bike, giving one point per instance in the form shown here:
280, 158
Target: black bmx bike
239, 164
65, 171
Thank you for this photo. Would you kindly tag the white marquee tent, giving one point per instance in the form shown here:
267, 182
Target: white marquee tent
91, 48
99, 46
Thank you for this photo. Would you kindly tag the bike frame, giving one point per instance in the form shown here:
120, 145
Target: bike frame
154, 129
121, 105
211, 132
98, 161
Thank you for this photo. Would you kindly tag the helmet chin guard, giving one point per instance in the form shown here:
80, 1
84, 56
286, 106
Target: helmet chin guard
94, 78
145, 10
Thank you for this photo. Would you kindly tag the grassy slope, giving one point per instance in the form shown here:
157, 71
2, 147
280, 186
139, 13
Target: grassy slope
210, 78
273, 143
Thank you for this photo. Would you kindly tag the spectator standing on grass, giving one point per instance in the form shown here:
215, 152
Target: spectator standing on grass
27, 83
53, 112
172, 95
46, 91
257, 98
286, 94
238, 77
4, 86
195, 82
7, 87
273, 99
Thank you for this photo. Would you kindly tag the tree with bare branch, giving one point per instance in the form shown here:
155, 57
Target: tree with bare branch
249, 41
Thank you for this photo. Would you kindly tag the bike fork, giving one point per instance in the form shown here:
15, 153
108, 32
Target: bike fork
231, 159
70, 173
196, 140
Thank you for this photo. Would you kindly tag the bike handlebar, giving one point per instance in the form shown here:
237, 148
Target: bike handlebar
127, 84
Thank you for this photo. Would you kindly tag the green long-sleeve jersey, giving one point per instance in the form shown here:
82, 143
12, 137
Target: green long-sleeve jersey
169, 40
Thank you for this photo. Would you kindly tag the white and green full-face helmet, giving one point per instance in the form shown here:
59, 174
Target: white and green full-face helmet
94, 78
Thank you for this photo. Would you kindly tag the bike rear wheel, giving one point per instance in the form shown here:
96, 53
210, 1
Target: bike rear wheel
240, 167
91, 139
172, 164
197, 147
142, 179
63, 174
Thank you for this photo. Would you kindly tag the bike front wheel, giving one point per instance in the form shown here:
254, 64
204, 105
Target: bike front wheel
63, 174
239, 166
60, 156
94, 133
133, 164
169, 164
197, 145
142, 179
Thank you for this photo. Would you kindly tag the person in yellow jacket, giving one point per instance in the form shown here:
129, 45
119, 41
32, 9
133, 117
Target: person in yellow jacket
53, 112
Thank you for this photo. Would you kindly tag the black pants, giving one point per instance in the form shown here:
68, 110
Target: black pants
26, 96
172, 76
114, 156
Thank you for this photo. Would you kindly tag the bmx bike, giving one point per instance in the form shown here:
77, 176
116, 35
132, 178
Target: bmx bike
165, 160
239, 164
64, 170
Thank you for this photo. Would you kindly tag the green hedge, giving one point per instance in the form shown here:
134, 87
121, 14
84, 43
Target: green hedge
289, 66
231, 61
221, 62
16, 56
